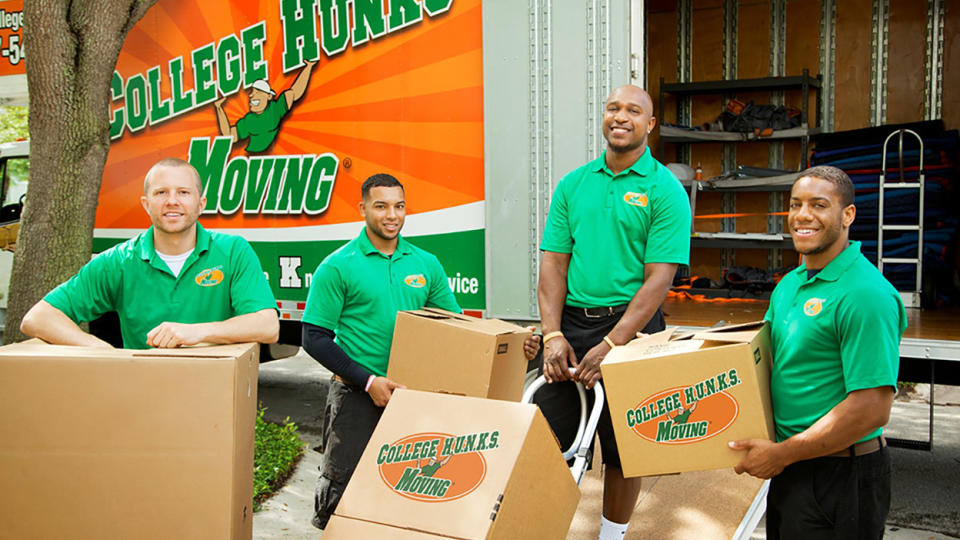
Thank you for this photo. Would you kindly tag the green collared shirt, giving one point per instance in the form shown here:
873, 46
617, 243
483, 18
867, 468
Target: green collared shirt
221, 279
262, 127
357, 291
614, 224
831, 334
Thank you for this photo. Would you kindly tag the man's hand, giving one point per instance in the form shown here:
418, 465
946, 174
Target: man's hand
170, 334
764, 458
531, 345
558, 358
381, 389
588, 372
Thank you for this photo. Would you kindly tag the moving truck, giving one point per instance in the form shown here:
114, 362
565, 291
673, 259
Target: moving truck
464, 101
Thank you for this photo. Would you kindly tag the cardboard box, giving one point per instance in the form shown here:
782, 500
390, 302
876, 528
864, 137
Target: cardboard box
676, 401
438, 351
458, 467
105, 443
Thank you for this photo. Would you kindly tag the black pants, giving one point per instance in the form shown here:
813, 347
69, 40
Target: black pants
560, 401
842, 498
350, 419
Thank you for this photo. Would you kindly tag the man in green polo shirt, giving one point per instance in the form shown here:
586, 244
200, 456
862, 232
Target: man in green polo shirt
354, 297
262, 123
174, 284
835, 329
616, 230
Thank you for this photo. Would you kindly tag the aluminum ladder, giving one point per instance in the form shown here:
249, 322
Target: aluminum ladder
911, 298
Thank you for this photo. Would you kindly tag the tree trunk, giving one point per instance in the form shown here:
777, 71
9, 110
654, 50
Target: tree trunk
73, 48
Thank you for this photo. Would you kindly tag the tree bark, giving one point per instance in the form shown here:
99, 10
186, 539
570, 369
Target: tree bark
73, 46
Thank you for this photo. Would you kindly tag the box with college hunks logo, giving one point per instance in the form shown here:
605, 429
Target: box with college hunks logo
439, 351
114, 443
677, 400
458, 467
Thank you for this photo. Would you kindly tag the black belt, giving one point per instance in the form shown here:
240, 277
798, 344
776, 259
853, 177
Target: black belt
862, 448
599, 312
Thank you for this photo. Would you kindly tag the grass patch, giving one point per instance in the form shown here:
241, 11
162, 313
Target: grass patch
276, 450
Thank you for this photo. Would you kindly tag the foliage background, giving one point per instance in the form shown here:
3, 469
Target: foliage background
13, 124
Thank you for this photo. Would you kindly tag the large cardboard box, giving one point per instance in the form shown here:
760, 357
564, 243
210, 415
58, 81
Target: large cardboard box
103, 443
439, 351
458, 467
677, 400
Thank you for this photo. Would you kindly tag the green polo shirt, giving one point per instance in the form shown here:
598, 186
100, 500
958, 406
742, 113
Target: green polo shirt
221, 279
832, 334
262, 127
357, 291
613, 224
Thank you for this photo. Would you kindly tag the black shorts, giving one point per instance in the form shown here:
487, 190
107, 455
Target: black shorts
831, 498
560, 401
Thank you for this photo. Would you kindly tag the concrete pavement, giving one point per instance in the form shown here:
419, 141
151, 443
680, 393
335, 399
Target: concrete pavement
926, 500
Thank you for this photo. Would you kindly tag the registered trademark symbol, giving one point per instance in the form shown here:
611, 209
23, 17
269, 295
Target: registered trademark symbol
347, 162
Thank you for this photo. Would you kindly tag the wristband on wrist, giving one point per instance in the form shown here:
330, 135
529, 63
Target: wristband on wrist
551, 335
609, 341
370, 379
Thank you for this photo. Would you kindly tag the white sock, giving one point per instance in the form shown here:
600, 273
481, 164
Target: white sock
612, 531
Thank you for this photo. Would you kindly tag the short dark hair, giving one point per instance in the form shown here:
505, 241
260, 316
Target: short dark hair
172, 162
378, 180
841, 182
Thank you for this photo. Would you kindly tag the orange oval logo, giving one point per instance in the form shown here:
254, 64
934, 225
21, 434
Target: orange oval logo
636, 199
417, 281
813, 307
209, 277
436, 467
687, 414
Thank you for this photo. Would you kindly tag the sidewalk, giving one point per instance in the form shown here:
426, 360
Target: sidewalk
925, 496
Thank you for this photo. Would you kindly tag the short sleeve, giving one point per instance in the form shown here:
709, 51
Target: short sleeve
249, 290
326, 297
556, 233
669, 238
440, 294
870, 330
92, 292
243, 127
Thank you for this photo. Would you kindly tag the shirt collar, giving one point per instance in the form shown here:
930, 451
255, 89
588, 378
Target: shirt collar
835, 268
403, 247
148, 251
643, 166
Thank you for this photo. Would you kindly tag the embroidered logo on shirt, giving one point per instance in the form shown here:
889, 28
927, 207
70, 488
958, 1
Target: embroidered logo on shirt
209, 277
636, 199
417, 281
813, 307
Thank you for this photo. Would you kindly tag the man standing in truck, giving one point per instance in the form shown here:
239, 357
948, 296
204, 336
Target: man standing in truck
175, 284
616, 230
262, 123
835, 329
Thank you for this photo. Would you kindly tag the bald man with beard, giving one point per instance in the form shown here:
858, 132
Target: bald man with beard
616, 231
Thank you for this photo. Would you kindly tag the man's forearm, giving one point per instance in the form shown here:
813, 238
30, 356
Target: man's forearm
51, 325
552, 289
223, 123
861, 412
260, 326
319, 344
645, 302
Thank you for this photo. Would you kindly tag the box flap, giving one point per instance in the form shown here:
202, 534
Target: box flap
643, 348
40, 349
